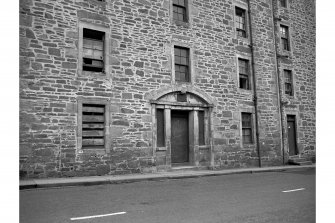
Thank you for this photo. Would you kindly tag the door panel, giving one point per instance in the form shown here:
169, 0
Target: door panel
179, 137
291, 135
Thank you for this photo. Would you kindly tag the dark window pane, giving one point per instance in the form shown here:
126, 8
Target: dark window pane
244, 84
241, 33
243, 74
201, 119
285, 44
183, 52
182, 69
247, 138
288, 76
288, 89
175, 15
93, 34
283, 3
160, 128
180, 17
246, 128
182, 76
179, 13
183, 60
177, 76
177, 60
181, 64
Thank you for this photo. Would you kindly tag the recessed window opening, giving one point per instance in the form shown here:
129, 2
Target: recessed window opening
288, 82
93, 50
181, 60
240, 22
284, 35
283, 3
179, 10
93, 126
246, 128
243, 69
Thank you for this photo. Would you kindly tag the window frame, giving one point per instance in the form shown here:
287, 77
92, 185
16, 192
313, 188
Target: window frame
246, 58
285, 37
247, 75
187, 23
283, 3
96, 101
188, 66
243, 17
251, 128
184, 9
287, 71
106, 48
95, 44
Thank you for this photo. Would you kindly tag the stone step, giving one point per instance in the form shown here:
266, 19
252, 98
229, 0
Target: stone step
305, 163
299, 161
183, 168
294, 157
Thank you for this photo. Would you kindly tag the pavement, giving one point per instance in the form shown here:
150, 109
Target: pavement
159, 176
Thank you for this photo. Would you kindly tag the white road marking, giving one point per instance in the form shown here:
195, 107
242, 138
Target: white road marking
285, 191
97, 216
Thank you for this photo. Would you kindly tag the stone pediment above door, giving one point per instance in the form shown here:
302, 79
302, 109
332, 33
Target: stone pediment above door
180, 96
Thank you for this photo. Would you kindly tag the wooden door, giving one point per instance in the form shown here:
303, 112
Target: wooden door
179, 137
292, 145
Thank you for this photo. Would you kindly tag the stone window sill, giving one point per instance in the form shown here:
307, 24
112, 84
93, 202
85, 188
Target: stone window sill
183, 24
246, 91
204, 147
161, 148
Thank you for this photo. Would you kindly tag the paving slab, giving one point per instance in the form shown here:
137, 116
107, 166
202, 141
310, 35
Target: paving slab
117, 179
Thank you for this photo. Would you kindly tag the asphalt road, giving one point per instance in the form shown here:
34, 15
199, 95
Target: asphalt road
246, 198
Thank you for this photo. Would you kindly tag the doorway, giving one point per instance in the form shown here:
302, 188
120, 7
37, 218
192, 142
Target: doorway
291, 132
179, 137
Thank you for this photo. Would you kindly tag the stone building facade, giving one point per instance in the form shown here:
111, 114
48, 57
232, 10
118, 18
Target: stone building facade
135, 86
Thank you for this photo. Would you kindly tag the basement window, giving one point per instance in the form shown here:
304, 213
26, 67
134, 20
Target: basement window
240, 22
244, 77
93, 126
93, 50
246, 128
288, 82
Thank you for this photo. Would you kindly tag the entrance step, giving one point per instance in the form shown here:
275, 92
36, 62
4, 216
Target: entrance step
184, 168
294, 160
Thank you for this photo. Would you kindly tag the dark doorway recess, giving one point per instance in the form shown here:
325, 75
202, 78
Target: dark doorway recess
179, 137
291, 132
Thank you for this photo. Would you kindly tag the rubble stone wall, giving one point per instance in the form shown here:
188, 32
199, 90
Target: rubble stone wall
139, 61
